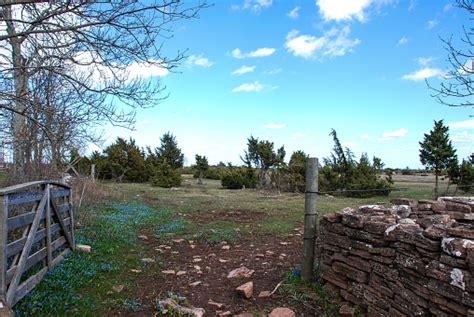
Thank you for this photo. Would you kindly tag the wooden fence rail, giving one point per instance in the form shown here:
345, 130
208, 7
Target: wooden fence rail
36, 233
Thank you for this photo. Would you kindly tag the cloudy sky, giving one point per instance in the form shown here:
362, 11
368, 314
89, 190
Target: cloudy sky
290, 71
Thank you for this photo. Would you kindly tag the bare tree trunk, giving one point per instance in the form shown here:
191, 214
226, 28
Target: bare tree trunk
436, 184
19, 78
201, 175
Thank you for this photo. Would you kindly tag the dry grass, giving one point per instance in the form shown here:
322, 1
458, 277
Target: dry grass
280, 214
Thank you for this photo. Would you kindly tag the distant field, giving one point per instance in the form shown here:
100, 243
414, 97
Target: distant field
281, 212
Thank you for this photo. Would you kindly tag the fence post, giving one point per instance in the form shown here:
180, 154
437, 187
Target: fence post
93, 173
310, 218
3, 247
48, 228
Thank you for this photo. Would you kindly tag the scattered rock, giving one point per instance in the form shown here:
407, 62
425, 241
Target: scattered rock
135, 271
223, 314
244, 315
83, 247
148, 260
269, 252
193, 284
240, 272
172, 304
178, 240
142, 237
169, 272
264, 294
260, 255
225, 247
347, 311
174, 252
223, 261
284, 243
117, 288
245, 290
213, 303
179, 273
196, 260
282, 312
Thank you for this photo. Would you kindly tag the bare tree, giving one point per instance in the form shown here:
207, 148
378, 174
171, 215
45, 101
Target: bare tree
90, 47
457, 88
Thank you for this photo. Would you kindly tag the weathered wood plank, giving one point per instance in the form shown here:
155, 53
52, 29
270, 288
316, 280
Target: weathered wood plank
22, 187
71, 216
16, 246
28, 285
3, 246
36, 257
26, 219
49, 258
61, 223
24, 197
26, 250
63, 208
25, 287
60, 193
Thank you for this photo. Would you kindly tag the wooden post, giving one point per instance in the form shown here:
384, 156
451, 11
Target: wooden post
3, 247
48, 228
93, 173
310, 218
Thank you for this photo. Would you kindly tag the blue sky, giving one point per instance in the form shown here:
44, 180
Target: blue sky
290, 71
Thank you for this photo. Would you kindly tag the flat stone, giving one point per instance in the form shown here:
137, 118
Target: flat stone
282, 312
142, 237
148, 260
179, 273
240, 272
216, 304
264, 294
169, 272
117, 288
346, 311
245, 290
83, 247
193, 284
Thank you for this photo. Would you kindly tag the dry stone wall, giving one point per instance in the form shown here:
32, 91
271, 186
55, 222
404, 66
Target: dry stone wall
411, 259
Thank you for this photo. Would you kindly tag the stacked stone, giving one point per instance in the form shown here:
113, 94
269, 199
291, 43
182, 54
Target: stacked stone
412, 259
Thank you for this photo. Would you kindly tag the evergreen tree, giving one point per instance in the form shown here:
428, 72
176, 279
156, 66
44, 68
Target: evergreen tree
437, 151
168, 152
201, 166
125, 161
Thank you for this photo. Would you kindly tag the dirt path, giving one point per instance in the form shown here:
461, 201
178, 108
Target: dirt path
207, 267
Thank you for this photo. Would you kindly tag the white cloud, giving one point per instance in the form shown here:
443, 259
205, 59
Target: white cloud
424, 73
365, 136
412, 5
198, 61
424, 61
243, 70
146, 69
253, 87
256, 5
403, 40
273, 126
393, 134
335, 42
463, 137
466, 124
342, 9
260, 52
294, 13
431, 24
447, 7
273, 71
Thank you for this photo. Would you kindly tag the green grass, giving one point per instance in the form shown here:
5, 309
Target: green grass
79, 286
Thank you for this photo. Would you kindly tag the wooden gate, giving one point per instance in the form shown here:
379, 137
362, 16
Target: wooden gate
36, 233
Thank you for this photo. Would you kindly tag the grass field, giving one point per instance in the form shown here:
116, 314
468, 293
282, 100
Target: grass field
205, 217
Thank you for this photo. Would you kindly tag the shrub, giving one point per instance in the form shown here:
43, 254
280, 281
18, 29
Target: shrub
237, 178
212, 173
165, 176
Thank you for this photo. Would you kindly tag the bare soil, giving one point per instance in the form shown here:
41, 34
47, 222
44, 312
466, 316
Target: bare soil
270, 256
